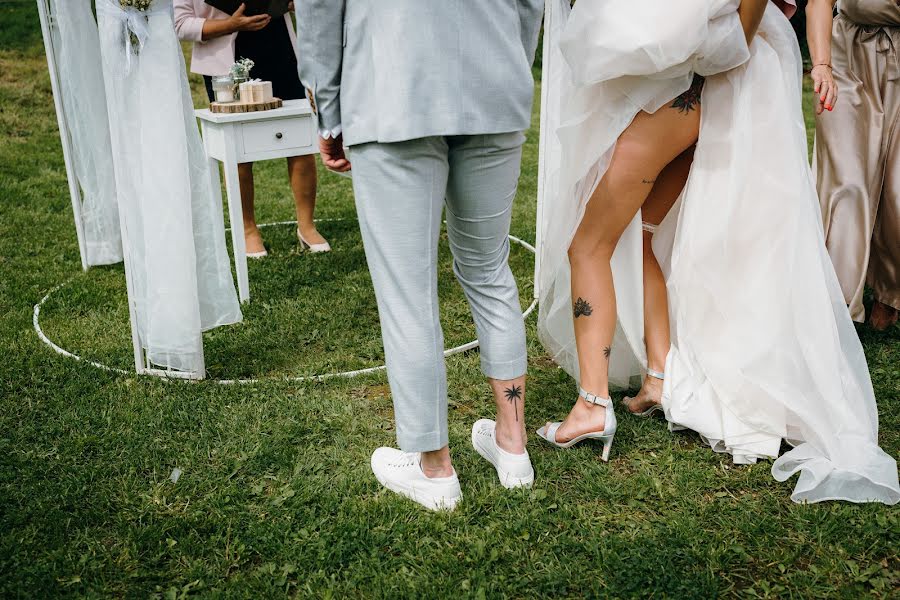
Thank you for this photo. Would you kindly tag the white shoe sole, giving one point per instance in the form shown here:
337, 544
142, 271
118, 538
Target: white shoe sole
429, 501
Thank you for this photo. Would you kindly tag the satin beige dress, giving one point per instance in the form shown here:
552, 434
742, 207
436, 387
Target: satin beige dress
858, 153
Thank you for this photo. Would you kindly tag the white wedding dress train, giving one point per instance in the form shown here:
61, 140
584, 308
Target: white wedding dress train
763, 349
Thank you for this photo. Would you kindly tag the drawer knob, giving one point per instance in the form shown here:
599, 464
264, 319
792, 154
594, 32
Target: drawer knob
278, 136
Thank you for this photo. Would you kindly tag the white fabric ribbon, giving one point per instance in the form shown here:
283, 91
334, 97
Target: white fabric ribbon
133, 22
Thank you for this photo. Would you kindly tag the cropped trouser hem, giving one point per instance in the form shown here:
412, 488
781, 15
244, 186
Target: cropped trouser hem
504, 371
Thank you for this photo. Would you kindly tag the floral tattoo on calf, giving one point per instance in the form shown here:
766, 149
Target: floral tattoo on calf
606, 352
513, 395
582, 308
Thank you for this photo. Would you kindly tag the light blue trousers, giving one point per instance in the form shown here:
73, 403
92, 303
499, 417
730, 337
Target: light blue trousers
401, 190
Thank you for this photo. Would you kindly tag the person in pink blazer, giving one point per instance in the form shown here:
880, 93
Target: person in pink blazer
218, 40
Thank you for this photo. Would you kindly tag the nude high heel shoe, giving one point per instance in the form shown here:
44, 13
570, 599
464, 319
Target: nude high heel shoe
313, 248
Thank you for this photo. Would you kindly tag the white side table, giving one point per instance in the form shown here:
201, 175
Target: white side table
233, 139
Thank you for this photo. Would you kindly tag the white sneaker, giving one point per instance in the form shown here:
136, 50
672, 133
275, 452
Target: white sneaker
514, 470
401, 472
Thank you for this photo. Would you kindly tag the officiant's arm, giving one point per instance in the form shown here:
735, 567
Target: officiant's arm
531, 13
320, 53
193, 28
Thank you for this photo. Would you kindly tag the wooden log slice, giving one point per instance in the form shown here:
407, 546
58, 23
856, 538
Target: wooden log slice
238, 107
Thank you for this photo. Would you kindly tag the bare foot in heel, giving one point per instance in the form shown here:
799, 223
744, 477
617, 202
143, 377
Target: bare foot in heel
583, 418
311, 239
254, 242
592, 418
648, 400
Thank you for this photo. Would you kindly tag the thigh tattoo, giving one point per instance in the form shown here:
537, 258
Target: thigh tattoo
690, 99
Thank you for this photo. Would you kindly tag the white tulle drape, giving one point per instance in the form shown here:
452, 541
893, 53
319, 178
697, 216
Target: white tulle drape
77, 49
763, 349
172, 221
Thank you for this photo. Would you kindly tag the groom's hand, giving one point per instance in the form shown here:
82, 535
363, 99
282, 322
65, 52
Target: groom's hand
332, 153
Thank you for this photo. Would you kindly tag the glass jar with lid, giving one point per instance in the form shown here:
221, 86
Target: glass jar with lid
224, 89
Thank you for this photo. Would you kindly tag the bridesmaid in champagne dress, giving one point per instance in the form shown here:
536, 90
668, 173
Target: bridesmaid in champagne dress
858, 158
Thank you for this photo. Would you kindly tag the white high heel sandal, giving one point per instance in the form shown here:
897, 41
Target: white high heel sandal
313, 248
548, 432
653, 409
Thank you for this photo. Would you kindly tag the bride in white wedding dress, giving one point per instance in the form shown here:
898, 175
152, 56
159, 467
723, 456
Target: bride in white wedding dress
746, 338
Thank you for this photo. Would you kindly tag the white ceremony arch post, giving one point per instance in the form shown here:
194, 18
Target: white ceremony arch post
142, 365
47, 26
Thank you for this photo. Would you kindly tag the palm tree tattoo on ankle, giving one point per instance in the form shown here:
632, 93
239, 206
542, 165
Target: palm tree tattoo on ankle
513, 395
583, 308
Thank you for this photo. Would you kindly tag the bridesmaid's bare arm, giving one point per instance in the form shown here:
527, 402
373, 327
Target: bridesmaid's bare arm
819, 19
751, 14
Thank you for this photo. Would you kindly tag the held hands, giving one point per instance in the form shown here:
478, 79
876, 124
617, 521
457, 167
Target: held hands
239, 22
825, 88
332, 153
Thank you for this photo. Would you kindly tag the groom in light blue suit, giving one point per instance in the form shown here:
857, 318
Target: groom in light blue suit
431, 99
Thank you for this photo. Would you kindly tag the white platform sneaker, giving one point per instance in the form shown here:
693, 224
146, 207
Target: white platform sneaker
401, 472
514, 470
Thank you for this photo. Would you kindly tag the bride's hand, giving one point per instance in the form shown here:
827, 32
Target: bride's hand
825, 88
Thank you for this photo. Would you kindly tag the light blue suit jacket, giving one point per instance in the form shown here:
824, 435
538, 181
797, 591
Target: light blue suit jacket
396, 70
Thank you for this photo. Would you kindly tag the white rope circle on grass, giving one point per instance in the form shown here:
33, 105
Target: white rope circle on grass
35, 319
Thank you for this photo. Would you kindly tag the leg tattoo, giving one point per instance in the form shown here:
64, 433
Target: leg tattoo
583, 308
687, 101
607, 351
513, 395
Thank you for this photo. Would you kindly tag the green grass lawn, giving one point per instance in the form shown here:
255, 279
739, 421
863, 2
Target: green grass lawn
276, 496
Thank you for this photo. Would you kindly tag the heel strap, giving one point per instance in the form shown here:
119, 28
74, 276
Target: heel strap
594, 398
656, 374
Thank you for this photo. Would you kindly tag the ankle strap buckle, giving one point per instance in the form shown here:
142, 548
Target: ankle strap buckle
594, 398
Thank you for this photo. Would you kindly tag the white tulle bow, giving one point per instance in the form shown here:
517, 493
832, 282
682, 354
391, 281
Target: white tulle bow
134, 23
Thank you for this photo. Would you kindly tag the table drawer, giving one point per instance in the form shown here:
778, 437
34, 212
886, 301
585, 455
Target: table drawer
277, 135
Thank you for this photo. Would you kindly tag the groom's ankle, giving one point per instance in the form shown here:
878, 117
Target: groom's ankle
510, 438
437, 464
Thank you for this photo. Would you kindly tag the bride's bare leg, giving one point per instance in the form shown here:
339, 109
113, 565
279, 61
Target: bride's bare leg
649, 144
665, 192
